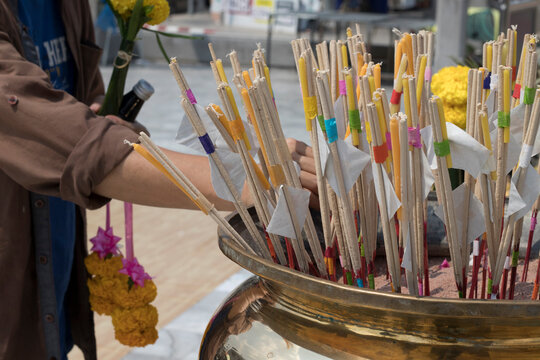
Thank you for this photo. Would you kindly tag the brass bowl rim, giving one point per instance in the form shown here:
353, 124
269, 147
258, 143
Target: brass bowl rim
295, 281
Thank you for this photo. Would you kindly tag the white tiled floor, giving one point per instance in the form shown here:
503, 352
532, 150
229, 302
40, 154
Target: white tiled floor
180, 339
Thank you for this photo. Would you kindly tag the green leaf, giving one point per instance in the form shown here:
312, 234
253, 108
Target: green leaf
178, 36
160, 44
135, 23
130, 283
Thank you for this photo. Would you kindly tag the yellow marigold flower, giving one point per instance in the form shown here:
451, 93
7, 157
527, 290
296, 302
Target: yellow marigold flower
126, 320
159, 13
450, 84
103, 267
135, 296
101, 305
138, 337
105, 286
457, 115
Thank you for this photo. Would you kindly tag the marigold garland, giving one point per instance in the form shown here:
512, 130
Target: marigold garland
109, 266
101, 305
126, 320
450, 84
133, 296
141, 337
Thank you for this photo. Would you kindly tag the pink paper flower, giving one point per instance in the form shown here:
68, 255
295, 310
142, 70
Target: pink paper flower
104, 243
444, 264
135, 271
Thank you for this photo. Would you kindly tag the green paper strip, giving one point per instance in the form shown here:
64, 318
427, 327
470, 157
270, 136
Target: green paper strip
354, 120
515, 258
349, 278
489, 286
503, 119
371, 280
442, 148
321, 122
362, 251
528, 95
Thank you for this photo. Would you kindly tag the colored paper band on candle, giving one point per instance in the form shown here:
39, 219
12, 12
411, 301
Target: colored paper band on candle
414, 137
310, 108
533, 223
517, 91
359, 282
389, 141
441, 148
380, 153
514, 73
515, 256
321, 122
354, 119
528, 96
503, 119
331, 129
487, 81
237, 129
276, 175
525, 156
507, 263
349, 278
371, 281
342, 87
191, 97
395, 98
427, 74
490, 286
207, 144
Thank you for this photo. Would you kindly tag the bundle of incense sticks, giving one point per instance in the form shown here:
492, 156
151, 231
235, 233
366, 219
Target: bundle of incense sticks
377, 156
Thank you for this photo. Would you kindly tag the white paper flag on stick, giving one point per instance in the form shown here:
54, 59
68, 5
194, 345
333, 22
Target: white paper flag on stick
392, 201
476, 226
521, 203
281, 223
467, 153
427, 179
233, 165
323, 147
340, 117
406, 262
353, 161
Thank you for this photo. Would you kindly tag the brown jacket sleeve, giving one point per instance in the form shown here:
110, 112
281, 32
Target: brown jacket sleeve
49, 142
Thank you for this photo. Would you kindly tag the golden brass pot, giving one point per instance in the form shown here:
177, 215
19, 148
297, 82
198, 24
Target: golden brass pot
284, 314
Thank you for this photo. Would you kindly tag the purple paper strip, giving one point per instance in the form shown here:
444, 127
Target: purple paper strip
191, 97
389, 141
342, 87
128, 217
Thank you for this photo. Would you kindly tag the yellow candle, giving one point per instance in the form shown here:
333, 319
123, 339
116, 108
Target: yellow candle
352, 106
407, 101
487, 137
504, 52
344, 56
372, 87
237, 116
305, 92
396, 158
249, 108
247, 79
222, 118
397, 59
407, 49
377, 75
267, 76
260, 175
420, 82
221, 72
507, 84
489, 56
443, 130
349, 32
382, 126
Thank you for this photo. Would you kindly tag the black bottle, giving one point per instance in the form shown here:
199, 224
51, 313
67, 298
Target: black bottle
134, 100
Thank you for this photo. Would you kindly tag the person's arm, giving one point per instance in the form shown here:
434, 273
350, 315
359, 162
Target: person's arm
136, 180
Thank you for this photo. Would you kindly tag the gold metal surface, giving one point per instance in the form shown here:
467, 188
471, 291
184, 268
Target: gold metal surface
302, 317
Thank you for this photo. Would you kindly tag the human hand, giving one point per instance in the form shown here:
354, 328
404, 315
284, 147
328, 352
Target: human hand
135, 126
303, 155
96, 105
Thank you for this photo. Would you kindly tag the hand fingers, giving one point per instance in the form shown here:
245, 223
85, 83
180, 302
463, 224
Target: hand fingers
300, 147
95, 107
314, 202
309, 181
306, 163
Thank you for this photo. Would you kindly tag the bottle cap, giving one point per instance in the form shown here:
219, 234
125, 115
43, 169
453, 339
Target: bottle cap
143, 89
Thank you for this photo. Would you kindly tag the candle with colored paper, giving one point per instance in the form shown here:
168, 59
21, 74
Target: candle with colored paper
443, 130
396, 158
377, 75
507, 84
237, 121
420, 81
352, 107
